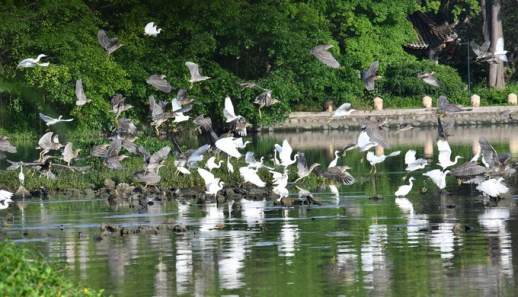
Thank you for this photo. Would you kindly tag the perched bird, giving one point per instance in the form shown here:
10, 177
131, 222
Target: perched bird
194, 70
493, 187
302, 167
230, 167
429, 78
468, 171
250, 175
149, 178
228, 111
375, 159
211, 163
413, 164
285, 154
446, 106
404, 127
438, 177
80, 94
48, 142
403, 190
5, 199
31, 63
21, 175
180, 166
69, 153
212, 184
251, 162
343, 110
481, 51
49, 121
489, 155
228, 146
118, 105
445, 154
159, 82
322, 53
265, 99
151, 29
334, 162
110, 45
369, 76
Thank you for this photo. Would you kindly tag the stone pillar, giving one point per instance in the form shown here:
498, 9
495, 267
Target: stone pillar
428, 147
427, 102
379, 150
378, 103
475, 100
512, 99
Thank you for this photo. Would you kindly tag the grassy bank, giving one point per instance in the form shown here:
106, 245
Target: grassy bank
25, 274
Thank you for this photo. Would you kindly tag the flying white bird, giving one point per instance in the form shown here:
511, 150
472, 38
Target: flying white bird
413, 164
80, 94
285, 154
180, 117
5, 199
493, 187
31, 63
500, 53
228, 111
445, 154
49, 121
250, 175
213, 185
375, 159
228, 146
151, 29
180, 167
403, 190
438, 177
343, 110
280, 182
194, 70
334, 161
211, 163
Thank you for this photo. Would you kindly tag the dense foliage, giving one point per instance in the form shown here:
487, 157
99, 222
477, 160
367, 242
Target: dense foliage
233, 41
25, 274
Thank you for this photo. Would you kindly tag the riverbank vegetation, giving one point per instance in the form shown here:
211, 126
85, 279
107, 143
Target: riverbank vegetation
24, 273
234, 41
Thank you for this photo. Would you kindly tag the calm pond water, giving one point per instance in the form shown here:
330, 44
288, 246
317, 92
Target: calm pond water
426, 245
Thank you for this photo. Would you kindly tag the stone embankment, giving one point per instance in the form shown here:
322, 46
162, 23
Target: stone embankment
417, 117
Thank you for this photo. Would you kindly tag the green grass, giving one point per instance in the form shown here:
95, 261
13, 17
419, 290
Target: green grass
25, 274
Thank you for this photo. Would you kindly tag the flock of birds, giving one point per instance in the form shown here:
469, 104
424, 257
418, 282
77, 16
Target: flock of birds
224, 148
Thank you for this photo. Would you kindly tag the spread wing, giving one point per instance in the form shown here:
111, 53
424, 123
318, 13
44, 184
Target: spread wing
343, 108
46, 118
103, 39
208, 177
228, 111
160, 155
80, 93
159, 83
321, 52
489, 154
410, 157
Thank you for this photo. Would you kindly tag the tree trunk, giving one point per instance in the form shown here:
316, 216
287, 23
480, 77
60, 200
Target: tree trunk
496, 70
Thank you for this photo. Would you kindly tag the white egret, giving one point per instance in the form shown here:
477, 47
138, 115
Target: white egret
342, 111
445, 154
500, 53
212, 184
49, 121
285, 154
438, 177
403, 190
228, 146
228, 111
375, 159
280, 182
5, 199
413, 164
21, 176
30, 62
230, 167
493, 187
194, 71
211, 163
80, 94
151, 29
334, 161
250, 175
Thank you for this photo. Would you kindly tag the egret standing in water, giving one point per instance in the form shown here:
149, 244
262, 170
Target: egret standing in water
403, 190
